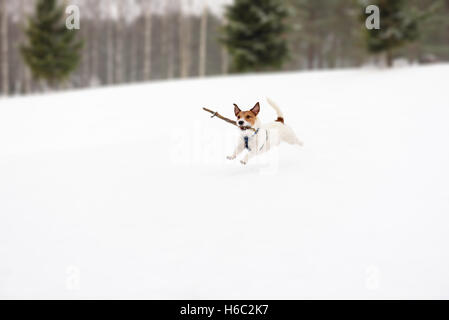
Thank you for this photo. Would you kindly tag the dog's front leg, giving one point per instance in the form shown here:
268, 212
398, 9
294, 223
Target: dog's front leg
240, 147
248, 156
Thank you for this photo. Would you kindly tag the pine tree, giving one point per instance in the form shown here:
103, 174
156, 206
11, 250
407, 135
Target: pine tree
255, 34
398, 25
432, 44
53, 52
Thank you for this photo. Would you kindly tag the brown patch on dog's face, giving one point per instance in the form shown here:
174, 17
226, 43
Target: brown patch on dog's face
247, 116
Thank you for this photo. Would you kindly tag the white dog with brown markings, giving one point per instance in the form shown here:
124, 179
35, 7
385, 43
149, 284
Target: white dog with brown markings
259, 138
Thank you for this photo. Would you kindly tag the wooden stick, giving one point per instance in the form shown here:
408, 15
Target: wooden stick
216, 114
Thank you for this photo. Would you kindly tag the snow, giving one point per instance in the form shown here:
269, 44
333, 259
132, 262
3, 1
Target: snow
125, 192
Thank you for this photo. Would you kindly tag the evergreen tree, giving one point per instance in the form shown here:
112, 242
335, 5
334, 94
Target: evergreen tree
398, 25
433, 40
255, 34
53, 52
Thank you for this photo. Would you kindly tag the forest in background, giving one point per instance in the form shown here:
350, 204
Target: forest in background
128, 41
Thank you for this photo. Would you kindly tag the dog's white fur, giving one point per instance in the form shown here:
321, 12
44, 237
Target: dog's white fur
269, 135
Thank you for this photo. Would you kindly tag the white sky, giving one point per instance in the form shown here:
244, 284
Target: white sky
196, 6
214, 5
132, 10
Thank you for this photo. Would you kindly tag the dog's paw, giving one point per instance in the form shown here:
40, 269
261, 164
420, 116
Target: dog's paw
231, 157
243, 162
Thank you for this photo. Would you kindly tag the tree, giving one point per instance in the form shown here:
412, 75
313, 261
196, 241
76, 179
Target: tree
185, 39
53, 52
171, 8
311, 25
109, 34
135, 40
4, 47
147, 39
255, 34
224, 54
432, 44
95, 9
325, 34
118, 52
398, 25
25, 74
85, 60
203, 41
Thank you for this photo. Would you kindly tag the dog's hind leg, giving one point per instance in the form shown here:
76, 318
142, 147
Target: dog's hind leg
291, 138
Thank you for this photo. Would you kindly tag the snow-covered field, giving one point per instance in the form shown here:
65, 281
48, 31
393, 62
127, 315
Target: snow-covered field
125, 192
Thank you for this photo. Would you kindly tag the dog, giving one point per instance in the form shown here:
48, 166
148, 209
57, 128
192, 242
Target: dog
258, 138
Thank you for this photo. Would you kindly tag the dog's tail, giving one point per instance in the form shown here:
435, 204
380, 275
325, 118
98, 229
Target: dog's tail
278, 111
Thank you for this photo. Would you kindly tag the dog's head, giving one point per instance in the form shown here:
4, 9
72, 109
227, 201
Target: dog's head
246, 118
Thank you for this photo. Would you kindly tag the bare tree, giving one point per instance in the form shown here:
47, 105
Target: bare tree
133, 12
133, 50
94, 47
109, 43
147, 38
118, 57
203, 41
85, 32
4, 44
185, 39
224, 55
168, 36
25, 73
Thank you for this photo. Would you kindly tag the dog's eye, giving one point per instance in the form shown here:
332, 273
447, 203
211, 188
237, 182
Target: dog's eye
238, 117
248, 117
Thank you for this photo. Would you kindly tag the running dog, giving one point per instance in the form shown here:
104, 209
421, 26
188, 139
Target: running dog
258, 138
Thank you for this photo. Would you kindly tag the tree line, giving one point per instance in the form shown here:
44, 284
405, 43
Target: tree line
125, 41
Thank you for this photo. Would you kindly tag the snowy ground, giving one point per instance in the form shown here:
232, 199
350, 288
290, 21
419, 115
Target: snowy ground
125, 192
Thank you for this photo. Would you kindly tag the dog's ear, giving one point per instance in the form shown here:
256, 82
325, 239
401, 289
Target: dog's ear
236, 110
256, 109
